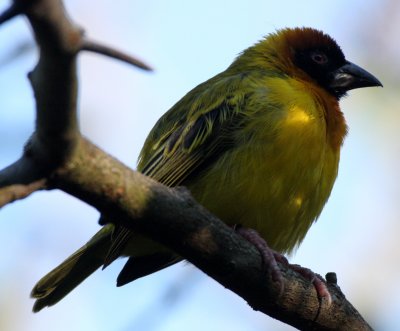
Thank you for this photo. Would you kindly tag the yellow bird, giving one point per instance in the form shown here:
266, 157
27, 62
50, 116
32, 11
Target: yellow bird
258, 145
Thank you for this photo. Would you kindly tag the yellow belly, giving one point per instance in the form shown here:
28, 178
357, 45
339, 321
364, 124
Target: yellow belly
277, 181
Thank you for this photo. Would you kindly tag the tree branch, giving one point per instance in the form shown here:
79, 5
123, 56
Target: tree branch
15, 192
96, 47
58, 156
173, 218
12, 11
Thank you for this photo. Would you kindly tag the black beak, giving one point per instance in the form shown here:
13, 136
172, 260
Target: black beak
351, 76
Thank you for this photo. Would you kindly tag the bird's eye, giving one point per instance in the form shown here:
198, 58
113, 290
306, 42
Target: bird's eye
319, 58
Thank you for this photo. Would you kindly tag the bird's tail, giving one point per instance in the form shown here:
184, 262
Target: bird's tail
75, 269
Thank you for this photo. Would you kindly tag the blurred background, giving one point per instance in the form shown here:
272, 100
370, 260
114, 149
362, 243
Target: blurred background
188, 42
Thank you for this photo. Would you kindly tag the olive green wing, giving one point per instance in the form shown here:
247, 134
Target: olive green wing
195, 131
190, 137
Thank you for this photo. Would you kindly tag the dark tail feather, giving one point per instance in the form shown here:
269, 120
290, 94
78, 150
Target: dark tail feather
145, 265
69, 274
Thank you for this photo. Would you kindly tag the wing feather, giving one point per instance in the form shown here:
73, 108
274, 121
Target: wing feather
189, 138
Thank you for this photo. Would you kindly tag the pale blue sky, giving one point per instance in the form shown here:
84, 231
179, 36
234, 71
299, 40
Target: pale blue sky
188, 42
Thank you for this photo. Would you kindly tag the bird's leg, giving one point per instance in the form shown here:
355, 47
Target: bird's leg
271, 258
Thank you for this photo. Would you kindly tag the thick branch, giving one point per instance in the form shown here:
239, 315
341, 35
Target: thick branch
55, 87
173, 218
54, 81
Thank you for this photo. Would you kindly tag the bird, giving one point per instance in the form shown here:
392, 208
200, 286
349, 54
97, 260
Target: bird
258, 145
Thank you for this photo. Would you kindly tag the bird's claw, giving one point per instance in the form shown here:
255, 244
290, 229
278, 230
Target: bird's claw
271, 258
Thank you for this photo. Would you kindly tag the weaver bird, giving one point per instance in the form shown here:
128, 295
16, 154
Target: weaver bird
258, 145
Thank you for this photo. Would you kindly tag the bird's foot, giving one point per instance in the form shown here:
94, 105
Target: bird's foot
317, 280
271, 258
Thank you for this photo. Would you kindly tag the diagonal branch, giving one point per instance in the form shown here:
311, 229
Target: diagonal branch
19, 180
15, 192
96, 47
173, 218
23, 177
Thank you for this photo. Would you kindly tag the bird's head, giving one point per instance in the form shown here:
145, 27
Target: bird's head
312, 56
